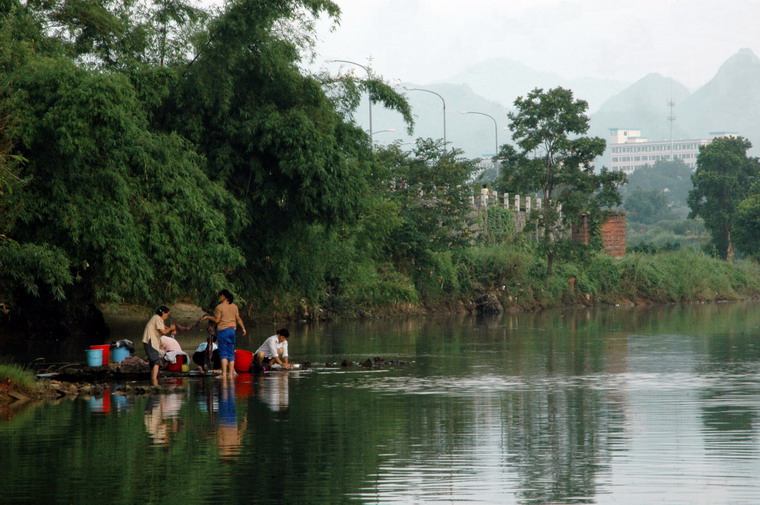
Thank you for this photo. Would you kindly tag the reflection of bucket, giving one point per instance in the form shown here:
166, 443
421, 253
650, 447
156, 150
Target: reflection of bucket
106, 352
94, 357
177, 366
244, 386
243, 361
101, 405
118, 354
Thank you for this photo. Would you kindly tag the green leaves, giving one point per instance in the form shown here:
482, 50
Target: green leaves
723, 178
555, 160
131, 211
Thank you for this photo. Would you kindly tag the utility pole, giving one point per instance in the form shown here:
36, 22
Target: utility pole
671, 119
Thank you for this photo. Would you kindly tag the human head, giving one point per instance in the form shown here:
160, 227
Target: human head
227, 295
163, 311
283, 332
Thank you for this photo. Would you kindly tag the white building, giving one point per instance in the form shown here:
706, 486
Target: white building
629, 150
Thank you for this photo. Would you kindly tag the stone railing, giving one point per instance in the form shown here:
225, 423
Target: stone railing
520, 205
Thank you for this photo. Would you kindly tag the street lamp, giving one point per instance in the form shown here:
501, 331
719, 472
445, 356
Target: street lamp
369, 93
495, 135
444, 109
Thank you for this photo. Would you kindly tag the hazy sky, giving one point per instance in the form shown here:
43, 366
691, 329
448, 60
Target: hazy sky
422, 41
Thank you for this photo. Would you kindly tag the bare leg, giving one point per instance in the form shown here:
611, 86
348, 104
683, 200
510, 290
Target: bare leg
154, 375
225, 361
231, 369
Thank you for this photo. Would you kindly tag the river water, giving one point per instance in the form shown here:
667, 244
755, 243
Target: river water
607, 406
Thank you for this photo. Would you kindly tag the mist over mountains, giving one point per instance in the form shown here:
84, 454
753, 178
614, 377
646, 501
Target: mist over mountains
503, 80
729, 102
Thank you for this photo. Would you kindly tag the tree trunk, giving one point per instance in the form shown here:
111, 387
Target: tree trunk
730, 251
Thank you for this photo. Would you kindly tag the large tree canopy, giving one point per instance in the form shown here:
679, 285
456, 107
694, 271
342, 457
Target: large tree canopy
723, 178
171, 151
554, 158
133, 210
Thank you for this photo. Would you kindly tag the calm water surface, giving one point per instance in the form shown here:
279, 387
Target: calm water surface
613, 406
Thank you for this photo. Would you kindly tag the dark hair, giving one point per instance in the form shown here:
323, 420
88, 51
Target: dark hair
163, 309
225, 293
284, 332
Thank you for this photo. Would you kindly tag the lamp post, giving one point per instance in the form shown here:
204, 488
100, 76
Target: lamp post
444, 109
388, 130
495, 136
369, 94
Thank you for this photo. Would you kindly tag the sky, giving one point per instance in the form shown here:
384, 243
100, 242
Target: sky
424, 41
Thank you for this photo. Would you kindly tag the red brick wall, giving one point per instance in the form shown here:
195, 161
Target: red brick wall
613, 234
582, 233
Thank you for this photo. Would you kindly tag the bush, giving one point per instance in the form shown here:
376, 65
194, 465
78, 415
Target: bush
437, 277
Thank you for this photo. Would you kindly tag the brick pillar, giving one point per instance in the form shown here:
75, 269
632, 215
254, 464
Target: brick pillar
613, 234
581, 233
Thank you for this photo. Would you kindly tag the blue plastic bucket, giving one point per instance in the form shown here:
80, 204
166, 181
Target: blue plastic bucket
118, 354
94, 357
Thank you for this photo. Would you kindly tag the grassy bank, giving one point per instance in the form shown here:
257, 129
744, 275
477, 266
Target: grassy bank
15, 379
498, 277
479, 278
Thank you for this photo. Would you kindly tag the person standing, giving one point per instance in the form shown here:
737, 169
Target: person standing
274, 349
154, 330
227, 318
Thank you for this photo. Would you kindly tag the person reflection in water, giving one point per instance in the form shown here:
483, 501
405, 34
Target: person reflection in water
162, 417
274, 392
229, 437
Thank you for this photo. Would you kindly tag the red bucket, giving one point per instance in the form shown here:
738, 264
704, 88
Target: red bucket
243, 360
176, 367
106, 349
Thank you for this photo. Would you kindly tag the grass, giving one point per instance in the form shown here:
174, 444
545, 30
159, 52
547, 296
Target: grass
18, 375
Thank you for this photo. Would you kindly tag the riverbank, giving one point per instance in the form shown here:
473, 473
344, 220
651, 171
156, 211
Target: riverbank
502, 279
498, 279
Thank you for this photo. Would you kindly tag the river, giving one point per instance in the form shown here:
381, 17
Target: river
600, 406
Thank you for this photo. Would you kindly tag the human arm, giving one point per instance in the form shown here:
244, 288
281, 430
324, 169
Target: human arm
240, 323
166, 331
282, 351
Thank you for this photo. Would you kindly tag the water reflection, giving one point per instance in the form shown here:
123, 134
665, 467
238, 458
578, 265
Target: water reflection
229, 437
101, 404
273, 390
621, 406
162, 417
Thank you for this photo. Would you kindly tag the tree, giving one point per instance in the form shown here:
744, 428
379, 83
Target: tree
647, 207
673, 178
274, 137
747, 225
130, 211
554, 159
723, 178
430, 187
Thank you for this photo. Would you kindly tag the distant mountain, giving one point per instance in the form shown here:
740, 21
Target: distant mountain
503, 80
472, 133
729, 102
644, 106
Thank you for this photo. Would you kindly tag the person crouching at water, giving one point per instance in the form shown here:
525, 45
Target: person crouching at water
154, 330
227, 318
274, 349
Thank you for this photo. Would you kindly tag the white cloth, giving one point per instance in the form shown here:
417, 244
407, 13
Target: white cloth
272, 345
171, 356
